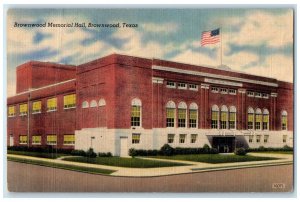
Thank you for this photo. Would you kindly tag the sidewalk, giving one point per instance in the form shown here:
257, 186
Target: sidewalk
195, 167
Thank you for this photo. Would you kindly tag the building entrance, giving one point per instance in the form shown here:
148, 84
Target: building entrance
224, 144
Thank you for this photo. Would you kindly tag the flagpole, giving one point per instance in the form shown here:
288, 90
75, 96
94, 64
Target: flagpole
221, 46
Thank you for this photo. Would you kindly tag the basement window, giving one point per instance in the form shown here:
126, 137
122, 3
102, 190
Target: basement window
171, 84
182, 86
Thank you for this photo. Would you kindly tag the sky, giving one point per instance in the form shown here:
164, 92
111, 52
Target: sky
255, 41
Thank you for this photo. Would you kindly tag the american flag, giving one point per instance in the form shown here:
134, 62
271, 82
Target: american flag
210, 37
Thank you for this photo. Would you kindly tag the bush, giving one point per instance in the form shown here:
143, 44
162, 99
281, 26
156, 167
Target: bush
132, 152
108, 154
167, 150
90, 153
78, 153
214, 151
240, 151
287, 148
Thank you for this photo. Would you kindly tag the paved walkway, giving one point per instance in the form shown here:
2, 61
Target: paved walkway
194, 167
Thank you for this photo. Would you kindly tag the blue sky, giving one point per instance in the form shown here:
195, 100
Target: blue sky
257, 41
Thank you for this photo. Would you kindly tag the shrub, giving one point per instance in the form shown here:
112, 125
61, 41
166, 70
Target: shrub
132, 152
103, 154
214, 151
90, 153
167, 150
78, 153
240, 151
287, 148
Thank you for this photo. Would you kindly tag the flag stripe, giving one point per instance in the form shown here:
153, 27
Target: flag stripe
210, 37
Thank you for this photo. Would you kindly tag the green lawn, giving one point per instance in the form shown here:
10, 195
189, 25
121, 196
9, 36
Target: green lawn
62, 166
37, 154
275, 152
124, 162
215, 158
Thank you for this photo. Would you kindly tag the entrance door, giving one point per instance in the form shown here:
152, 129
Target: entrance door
224, 144
11, 140
124, 146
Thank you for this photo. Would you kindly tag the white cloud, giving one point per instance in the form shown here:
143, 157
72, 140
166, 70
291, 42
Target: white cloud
160, 28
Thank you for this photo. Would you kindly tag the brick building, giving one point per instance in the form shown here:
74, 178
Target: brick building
119, 102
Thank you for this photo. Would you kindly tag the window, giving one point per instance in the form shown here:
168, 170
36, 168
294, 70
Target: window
284, 137
257, 138
23, 109
266, 138
36, 107
250, 118
193, 138
224, 117
214, 116
182, 138
258, 119
265, 119
193, 118
171, 138
51, 139
36, 139
182, 86
11, 111
232, 91
232, 117
250, 94
214, 89
258, 95
136, 138
284, 120
23, 139
193, 87
69, 139
182, 115
85, 104
102, 102
251, 138
93, 103
223, 91
52, 104
171, 84
69, 101
170, 121
136, 112
265, 96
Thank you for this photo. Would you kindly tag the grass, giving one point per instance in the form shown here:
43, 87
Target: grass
275, 152
37, 154
124, 162
215, 158
62, 166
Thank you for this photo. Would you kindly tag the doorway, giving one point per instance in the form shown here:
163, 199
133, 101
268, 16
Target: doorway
224, 144
124, 147
11, 140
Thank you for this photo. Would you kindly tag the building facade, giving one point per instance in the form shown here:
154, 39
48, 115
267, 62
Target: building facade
120, 102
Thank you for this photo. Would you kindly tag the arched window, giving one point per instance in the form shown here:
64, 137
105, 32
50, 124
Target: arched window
85, 104
250, 118
224, 117
193, 115
170, 109
258, 119
232, 117
214, 116
93, 103
102, 102
284, 120
265, 119
182, 115
136, 112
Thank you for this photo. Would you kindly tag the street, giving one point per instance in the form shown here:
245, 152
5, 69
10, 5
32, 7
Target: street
32, 178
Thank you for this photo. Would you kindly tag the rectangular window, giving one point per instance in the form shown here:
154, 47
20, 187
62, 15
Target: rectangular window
193, 138
214, 119
284, 122
214, 89
251, 138
284, 137
23, 139
266, 138
171, 138
181, 118
170, 117
258, 119
182, 138
265, 96
250, 120
258, 95
224, 118
69, 139
232, 116
250, 94
193, 118
52, 104
135, 115
23, 109
257, 138
171, 84
182, 86
11, 111
232, 91
265, 122
193, 87
69, 101
223, 91
36, 107
136, 138
36, 139
51, 139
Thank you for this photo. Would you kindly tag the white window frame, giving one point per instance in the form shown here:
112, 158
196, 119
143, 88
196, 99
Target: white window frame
258, 95
215, 89
193, 87
182, 86
223, 90
169, 84
250, 93
233, 91
265, 96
